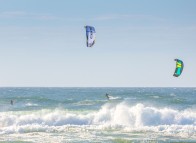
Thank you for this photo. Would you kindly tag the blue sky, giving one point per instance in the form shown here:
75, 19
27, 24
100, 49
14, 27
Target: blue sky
42, 43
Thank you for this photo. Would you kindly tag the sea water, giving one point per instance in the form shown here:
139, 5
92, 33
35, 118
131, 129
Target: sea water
85, 115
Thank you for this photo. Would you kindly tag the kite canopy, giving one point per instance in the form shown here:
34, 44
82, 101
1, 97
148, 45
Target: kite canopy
90, 36
179, 67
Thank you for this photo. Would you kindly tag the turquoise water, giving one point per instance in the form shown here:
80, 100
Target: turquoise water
83, 115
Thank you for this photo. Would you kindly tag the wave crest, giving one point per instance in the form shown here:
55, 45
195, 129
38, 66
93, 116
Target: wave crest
123, 116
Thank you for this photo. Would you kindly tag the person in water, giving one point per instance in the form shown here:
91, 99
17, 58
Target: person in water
11, 102
107, 95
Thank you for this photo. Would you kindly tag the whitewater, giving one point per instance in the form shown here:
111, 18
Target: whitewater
83, 115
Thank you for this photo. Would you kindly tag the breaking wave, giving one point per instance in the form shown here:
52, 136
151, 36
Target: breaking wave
116, 116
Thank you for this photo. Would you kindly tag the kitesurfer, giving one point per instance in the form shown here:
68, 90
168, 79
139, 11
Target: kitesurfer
11, 102
107, 95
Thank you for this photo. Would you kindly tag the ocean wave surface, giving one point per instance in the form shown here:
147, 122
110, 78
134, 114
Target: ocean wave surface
111, 116
86, 115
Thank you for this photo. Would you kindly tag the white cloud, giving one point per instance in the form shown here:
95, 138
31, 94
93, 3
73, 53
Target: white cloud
106, 17
127, 16
26, 15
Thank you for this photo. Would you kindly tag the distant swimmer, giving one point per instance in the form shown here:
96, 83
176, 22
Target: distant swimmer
107, 95
11, 102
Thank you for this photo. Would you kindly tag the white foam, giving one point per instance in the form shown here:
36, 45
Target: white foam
172, 94
122, 116
155, 97
113, 98
31, 104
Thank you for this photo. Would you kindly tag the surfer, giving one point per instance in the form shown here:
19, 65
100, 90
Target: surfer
11, 102
107, 95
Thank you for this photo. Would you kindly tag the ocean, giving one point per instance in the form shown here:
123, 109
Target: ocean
85, 115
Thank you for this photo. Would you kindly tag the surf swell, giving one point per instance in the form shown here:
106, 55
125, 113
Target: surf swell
114, 116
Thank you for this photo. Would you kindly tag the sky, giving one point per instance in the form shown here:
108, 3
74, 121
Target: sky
43, 43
